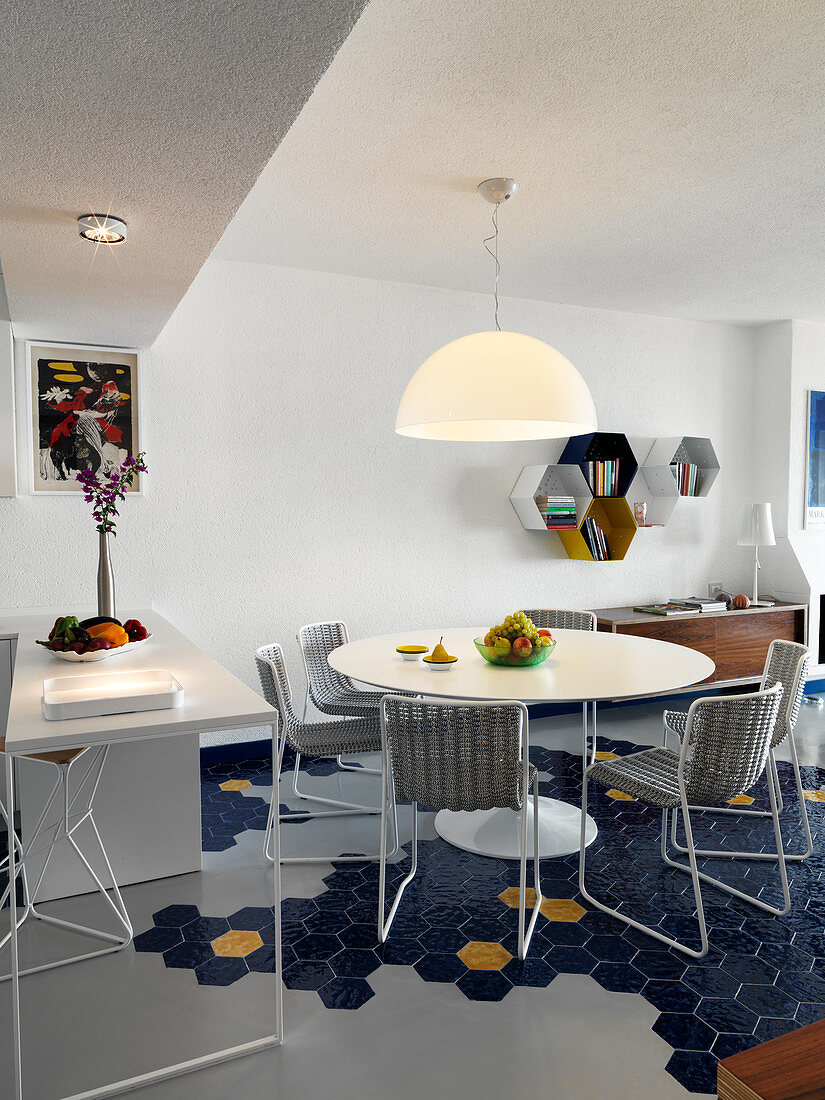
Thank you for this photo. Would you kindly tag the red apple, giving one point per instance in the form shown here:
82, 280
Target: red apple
545, 634
489, 639
523, 645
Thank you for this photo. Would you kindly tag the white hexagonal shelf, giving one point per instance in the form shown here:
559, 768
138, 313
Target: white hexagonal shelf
691, 460
537, 482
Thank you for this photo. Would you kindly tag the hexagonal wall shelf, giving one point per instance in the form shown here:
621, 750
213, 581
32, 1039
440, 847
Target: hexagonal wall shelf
536, 482
654, 487
683, 454
606, 459
615, 517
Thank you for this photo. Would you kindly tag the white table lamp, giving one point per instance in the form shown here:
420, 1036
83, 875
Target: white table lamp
756, 531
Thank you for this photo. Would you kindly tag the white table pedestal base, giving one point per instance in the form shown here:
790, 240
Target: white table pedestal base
496, 832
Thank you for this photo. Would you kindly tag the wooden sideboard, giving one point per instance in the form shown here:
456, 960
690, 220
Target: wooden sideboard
736, 640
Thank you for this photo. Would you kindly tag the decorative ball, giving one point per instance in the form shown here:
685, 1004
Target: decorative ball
740, 602
724, 597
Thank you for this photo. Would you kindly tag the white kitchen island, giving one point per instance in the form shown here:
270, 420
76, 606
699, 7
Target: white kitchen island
143, 745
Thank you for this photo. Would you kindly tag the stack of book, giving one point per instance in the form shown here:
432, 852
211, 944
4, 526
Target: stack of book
559, 513
596, 542
604, 477
686, 475
674, 607
702, 603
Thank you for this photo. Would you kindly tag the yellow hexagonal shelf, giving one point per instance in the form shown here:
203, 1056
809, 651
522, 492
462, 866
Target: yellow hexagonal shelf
615, 518
563, 909
480, 955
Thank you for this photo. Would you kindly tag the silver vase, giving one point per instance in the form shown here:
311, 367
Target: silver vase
105, 578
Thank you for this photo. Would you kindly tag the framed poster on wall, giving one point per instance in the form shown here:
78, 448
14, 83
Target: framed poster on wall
815, 489
83, 411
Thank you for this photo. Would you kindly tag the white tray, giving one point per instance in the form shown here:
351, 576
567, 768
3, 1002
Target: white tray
110, 693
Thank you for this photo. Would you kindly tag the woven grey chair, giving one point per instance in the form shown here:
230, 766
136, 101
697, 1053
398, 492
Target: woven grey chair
330, 691
723, 753
454, 755
312, 739
550, 618
787, 664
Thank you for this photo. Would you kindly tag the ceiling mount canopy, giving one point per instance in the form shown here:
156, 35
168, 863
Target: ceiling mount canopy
496, 386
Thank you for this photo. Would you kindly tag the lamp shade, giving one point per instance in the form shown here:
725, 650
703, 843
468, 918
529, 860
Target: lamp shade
496, 386
757, 526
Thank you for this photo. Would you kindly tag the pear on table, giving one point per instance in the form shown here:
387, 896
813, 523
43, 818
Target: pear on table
440, 658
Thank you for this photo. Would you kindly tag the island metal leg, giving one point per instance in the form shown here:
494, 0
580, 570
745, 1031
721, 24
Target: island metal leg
117, 1088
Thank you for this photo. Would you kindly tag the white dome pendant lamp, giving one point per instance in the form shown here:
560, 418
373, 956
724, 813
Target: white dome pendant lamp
496, 386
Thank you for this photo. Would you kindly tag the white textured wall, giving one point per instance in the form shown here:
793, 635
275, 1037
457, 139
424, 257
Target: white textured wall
279, 493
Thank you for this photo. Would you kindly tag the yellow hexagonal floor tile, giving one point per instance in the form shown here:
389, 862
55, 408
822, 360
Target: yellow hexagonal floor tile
237, 944
480, 955
740, 800
561, 909
620, 796
815, 796
510, 897
606, 755
235, 785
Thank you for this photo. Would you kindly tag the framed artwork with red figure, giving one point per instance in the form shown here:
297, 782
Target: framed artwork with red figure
83, 412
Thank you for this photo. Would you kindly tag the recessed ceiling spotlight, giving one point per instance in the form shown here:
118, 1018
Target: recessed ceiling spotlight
102, 229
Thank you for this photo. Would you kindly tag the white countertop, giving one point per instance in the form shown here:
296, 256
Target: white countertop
585, 665
213, 699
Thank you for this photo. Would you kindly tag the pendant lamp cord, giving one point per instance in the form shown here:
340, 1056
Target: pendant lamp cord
494, 254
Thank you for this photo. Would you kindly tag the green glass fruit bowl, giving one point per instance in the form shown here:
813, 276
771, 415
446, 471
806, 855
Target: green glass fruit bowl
513, 658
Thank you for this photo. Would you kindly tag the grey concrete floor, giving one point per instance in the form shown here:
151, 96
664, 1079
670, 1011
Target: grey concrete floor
125, 1014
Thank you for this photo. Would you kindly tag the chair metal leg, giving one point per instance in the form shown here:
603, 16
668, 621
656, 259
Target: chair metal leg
342, 804
384, 926
655, 933
776, 911
303, 815
588, 756
794, 857
355, 767
525, 938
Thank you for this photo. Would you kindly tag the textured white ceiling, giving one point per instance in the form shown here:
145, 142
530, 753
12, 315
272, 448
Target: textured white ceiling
164, 111
670, 154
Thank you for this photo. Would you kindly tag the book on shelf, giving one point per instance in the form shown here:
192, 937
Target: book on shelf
670, 608
595, 540
686, 475
558, 512
603, 475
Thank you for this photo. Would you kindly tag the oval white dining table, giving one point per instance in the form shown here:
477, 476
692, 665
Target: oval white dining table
585, 666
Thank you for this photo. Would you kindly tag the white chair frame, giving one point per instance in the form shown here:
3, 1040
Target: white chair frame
339, 760
74, 812
524, 934
692, 869
790, 857
302, 815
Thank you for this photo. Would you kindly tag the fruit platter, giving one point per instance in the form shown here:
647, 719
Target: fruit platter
517, 642
93, 639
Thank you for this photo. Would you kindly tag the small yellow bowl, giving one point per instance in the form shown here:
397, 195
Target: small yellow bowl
440, 665
412, 652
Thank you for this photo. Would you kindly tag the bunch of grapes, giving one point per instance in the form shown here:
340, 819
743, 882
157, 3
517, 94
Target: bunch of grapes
516, 626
